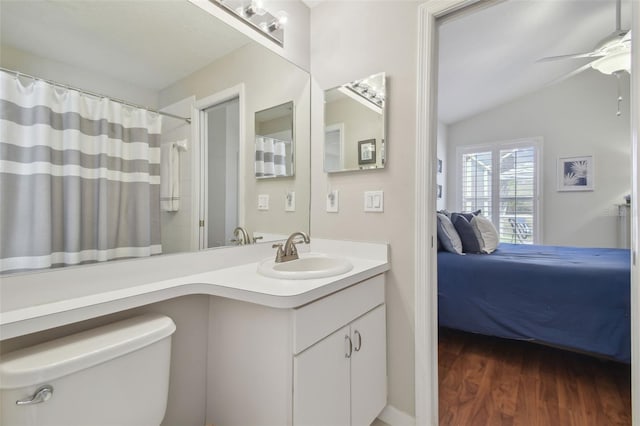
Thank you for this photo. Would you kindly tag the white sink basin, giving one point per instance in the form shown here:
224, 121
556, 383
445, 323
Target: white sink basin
309, 265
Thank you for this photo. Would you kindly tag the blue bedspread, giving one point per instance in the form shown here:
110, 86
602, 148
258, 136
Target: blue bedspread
577, 298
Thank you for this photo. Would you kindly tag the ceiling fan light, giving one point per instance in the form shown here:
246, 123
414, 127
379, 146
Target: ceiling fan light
611, 63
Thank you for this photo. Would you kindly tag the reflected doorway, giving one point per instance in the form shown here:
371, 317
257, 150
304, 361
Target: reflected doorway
220, 173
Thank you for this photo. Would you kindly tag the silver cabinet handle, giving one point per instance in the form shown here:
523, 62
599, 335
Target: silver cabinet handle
348, 345
358, 340
41, 395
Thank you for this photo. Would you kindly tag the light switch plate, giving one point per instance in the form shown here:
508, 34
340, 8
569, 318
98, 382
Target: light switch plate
374, 201
332, 201
263, 202
290, 202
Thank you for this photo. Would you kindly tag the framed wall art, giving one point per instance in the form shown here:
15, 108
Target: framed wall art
367, 151
575, 173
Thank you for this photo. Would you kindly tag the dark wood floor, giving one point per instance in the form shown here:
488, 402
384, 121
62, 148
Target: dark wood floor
487, 381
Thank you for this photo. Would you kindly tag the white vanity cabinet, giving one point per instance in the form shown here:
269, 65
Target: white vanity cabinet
323, 363
341, 380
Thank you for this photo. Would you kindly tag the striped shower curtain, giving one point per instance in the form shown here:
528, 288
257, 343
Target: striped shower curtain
79, 177
270, 157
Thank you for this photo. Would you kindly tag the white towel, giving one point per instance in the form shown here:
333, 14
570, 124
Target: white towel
279, 158
170, 176
259, 160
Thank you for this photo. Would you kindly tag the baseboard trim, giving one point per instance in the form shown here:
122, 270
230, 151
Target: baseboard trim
394, 417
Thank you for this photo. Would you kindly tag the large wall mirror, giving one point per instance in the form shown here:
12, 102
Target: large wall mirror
152, 184
354, 117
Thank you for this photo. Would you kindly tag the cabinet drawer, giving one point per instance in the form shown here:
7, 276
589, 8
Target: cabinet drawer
317, 320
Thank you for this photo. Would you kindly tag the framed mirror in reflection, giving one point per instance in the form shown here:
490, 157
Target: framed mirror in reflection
354, 116
143, 184
274, 144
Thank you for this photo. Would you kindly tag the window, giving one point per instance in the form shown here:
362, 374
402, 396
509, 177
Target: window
510, 196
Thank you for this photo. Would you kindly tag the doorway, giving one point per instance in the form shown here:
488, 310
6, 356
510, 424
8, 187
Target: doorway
426, 342
220, 175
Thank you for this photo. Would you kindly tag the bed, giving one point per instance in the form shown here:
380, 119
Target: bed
569, 297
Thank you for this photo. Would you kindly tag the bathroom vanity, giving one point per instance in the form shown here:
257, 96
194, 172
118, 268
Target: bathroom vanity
323, 363
286, 352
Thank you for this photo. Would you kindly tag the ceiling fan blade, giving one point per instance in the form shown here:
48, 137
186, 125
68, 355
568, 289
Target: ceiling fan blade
574, 56
570, 74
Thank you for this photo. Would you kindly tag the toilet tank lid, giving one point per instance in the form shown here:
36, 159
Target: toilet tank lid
60, 357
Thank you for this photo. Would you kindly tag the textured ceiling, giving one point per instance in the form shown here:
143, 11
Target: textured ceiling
488, 56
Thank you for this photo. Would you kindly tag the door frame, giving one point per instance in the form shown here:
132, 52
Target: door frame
425, 272
199, 159
340, 128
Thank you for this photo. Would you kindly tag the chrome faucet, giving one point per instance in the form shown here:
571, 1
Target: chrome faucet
241, 236
289, 251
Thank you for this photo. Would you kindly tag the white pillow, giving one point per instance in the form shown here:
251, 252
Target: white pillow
486, 233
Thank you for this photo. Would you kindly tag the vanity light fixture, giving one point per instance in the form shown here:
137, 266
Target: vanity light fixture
253, 13
367, 92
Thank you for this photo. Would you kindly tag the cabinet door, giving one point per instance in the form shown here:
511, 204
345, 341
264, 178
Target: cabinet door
368, 367
321, 382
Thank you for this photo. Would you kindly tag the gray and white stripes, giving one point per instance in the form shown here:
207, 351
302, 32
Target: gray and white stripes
79, 177
270, 157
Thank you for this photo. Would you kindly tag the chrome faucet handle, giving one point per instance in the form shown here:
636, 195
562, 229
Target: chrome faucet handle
280, 253
242, 236
256, 239
290, 250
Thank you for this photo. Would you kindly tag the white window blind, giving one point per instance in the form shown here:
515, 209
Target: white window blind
477, 182
502, 181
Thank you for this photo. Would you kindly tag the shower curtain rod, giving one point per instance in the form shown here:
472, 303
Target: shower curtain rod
97, 95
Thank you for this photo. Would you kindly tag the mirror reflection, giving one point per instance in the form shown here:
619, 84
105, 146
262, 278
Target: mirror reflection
354, 116
145, 183
274, 141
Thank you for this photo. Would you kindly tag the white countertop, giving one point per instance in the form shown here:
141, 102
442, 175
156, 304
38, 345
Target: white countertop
73, 298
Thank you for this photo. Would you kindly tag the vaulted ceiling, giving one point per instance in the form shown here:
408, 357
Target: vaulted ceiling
487, 56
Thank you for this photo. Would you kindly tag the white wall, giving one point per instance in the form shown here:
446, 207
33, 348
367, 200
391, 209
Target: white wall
360, 123
351, 40
278, 81
177, 226
576, 117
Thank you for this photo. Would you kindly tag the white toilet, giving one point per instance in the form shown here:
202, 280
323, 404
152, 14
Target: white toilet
115, 375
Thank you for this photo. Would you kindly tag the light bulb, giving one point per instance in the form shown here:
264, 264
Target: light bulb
280, 21
282, 17
255, 8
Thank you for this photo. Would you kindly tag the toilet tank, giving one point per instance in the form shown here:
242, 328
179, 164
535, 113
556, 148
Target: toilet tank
115, 375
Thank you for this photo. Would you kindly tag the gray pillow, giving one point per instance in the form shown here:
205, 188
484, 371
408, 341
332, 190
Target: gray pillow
467, 216
448, 236
470, 243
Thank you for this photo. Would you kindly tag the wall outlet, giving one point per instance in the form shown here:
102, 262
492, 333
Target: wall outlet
263, 202
332, 201
290, 202
374, 201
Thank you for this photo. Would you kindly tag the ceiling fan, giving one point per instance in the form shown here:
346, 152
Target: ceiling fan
610, 56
